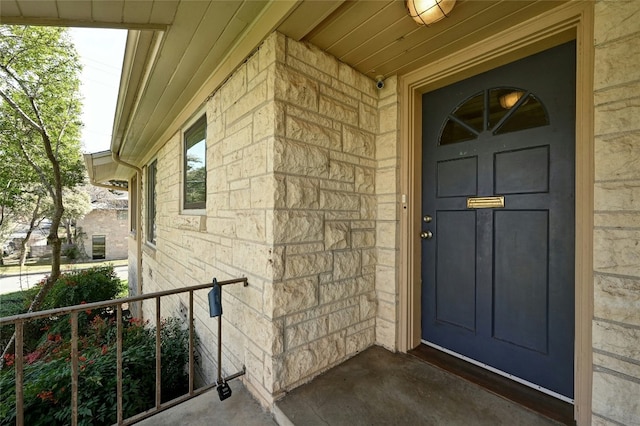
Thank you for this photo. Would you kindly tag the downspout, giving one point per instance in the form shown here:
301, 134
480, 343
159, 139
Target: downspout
116, 157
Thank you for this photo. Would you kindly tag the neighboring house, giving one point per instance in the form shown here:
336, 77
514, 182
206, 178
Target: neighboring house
37, 245
256, 143
105, 229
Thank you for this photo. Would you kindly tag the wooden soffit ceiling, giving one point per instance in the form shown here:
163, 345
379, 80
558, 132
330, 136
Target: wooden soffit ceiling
180, 50
377, 37
129, 14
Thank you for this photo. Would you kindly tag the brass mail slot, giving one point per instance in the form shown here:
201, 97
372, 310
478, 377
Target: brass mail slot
485, 202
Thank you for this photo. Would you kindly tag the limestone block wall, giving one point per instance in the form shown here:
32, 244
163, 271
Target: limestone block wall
325, 216
387, 193
229, 239
616, 323
296, 145
113, 225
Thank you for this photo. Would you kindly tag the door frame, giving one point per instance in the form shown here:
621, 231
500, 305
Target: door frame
572, 20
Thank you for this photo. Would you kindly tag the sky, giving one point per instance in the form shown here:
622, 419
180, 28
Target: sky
101, 52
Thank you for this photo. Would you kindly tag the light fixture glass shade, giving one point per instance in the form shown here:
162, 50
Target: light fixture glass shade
510, 99
426, 12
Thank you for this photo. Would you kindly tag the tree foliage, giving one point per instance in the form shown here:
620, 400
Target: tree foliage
77, 203
39, 83
19, 186
40, 109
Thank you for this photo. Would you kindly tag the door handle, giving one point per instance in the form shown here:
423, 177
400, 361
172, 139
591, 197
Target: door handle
426, 235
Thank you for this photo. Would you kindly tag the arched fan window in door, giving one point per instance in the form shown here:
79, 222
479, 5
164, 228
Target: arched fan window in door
498, 110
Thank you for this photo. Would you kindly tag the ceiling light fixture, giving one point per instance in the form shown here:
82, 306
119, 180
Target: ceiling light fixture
510, 99
427, 12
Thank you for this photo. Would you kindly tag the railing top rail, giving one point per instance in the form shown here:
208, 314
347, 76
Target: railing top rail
114, 302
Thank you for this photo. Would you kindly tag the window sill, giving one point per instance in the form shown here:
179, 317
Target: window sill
149, 249
194, 212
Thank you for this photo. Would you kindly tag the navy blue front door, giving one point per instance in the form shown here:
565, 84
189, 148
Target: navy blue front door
498, 206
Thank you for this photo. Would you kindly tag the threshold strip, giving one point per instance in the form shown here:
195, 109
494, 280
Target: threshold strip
521, 394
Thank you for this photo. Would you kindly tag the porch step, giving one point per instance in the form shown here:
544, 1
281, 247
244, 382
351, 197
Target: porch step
377, 387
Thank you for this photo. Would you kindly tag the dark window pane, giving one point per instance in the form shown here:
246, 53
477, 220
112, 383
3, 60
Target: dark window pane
151, 202
531, 113
471, 112
98, 246
133, 203
501, 100
510, 109
195, 176
453, 132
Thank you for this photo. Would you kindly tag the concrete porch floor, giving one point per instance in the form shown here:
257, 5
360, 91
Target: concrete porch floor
376, 387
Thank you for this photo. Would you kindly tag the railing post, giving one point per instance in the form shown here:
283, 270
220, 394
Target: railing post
158, 355
191, 344
119, 363
19, 366
220, 349
74, 368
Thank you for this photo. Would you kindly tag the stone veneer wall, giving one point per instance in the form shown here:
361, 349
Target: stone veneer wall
303, 200
295, 143
387, 225
333, 142
230, 239
107, 223
616, 324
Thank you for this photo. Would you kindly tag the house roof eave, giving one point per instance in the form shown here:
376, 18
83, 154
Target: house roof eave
102, 169
141, 51
151, 109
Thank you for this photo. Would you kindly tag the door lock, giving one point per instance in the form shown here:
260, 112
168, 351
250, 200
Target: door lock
427, 219
426, 235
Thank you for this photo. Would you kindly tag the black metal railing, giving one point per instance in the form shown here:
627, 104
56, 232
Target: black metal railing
20, 320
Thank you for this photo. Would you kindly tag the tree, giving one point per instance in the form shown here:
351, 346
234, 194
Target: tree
28, 209
18, 183
77, 203
21, 192
8, 195
34, 212
39, 89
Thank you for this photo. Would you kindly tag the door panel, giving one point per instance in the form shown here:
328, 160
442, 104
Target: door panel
520, 308
498, 283
456, 288
522, 171
457, 177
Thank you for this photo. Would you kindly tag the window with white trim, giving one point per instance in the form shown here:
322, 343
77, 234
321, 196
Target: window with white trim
194, 174
151, 201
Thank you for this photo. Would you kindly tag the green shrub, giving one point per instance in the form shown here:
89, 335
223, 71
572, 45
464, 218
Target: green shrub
47, 374
71, 252
13, 304
83, 286
73, 288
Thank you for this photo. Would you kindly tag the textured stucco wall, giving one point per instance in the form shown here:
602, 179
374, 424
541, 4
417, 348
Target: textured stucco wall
616, 324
